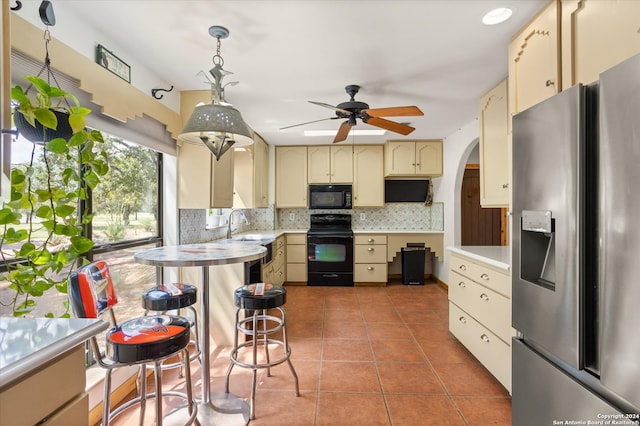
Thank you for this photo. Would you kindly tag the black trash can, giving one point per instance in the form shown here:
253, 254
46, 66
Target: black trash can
413, 264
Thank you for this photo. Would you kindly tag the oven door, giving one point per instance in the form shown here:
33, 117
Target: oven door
330, 259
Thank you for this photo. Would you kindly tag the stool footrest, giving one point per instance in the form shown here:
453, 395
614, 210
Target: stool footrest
271, 363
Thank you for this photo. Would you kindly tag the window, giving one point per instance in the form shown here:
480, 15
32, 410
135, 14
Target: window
127, 218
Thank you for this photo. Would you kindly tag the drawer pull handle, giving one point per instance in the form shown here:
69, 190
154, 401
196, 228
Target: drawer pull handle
484, 277
485, 338
484, 297
370, 249
462, 320
462, 284
462, 267
370, 268
370, 240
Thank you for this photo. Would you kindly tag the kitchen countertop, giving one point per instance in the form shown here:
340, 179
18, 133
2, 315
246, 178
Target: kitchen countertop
28, 343
498, 256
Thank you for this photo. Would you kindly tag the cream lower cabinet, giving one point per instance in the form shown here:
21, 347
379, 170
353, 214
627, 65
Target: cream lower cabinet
274, 271
291, 176
480, 313
296, 258
52, 395
370, 259
494, 148
368, 176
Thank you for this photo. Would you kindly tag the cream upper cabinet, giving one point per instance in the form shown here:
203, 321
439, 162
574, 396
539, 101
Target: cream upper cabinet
291, 176
413, 158
368, 179
251, 175
534, 68
330, 164
494, 152
203, 182
597, 35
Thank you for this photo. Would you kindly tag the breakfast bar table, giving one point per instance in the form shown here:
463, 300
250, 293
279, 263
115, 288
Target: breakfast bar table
214, 408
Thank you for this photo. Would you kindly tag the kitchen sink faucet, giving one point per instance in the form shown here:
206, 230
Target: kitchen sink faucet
242, 215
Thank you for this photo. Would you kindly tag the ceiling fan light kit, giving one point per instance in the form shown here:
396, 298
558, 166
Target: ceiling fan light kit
217, 125
352, 110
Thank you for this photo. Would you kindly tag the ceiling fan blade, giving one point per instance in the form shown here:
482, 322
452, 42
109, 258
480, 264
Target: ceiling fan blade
392, 126
394, 111
322, 104
343, 132
308, 122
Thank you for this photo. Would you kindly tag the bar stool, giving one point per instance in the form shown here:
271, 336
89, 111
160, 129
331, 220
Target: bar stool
138, 341
256, 299
179, 297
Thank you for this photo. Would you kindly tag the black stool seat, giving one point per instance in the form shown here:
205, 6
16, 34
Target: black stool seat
169, 297
147, 338
272, 297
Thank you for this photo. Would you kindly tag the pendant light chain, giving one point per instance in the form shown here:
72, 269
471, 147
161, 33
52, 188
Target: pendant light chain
217, 58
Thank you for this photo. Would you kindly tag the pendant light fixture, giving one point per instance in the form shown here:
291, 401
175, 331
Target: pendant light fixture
217, 125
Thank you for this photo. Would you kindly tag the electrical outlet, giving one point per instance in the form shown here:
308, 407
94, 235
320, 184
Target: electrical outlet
363, 216
292, 216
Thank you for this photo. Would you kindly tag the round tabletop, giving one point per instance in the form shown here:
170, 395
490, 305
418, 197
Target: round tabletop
207, 254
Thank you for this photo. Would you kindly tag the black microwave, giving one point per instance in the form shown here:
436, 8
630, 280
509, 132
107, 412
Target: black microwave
329, 196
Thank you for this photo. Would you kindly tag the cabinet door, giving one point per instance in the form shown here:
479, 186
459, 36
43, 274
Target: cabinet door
341, 164
291, 176
534, 68
597, 35
429, 158
194, 177
494, 153
400, 158
261, 173
319, 164
368, 179
222, 185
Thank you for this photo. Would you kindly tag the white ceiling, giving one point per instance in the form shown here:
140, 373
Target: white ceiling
435, 54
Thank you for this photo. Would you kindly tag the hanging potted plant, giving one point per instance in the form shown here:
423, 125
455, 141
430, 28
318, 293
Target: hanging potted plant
49, 117
41, 226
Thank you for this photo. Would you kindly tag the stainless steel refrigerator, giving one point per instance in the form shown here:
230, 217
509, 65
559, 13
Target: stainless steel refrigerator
576, 254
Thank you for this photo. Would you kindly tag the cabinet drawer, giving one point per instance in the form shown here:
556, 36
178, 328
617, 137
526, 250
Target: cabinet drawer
492, 352
370, 272
297, 272
484, 274
296, 254
76, 413
370, 254
51, 387
370, 239
491, 309
296, 239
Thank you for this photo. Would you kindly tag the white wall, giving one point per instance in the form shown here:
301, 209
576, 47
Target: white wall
446, 189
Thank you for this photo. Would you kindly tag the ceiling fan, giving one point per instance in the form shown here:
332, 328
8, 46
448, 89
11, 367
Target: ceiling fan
353, 109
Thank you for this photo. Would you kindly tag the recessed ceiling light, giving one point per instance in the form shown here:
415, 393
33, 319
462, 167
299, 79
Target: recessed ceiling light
355, 132
497, 16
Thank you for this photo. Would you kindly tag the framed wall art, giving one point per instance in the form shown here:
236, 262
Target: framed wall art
114, 64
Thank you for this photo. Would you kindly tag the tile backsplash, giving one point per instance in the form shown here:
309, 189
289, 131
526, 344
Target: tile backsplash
393, 216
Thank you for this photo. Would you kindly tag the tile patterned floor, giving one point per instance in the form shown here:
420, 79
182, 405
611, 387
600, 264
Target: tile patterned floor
370, 356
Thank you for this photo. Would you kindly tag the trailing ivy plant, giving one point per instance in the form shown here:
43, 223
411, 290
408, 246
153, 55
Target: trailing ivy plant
42, 239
